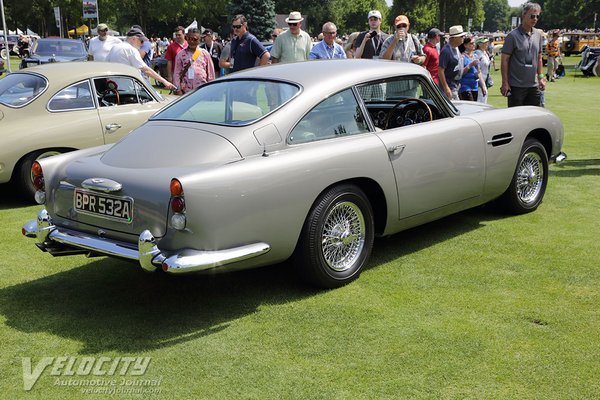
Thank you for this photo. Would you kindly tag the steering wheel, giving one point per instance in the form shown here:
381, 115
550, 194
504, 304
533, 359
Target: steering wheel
420, 109
111, 87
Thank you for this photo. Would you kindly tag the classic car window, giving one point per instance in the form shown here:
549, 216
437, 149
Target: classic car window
119, 90
17, 90
230, 102
403, 101
336, 116
49, 47
74, 97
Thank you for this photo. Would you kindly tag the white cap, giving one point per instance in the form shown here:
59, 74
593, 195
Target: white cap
374, 13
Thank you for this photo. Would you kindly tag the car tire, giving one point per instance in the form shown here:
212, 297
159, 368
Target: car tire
337, 237
23, 177
529, 181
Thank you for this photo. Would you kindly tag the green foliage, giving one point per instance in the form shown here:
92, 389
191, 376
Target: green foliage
348, 16
496, 15
259, 13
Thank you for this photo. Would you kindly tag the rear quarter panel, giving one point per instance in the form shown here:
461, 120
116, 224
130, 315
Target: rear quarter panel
521, 122
268, 198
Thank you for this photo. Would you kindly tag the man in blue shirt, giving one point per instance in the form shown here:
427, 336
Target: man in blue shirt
245, 47
327, 48
450, 68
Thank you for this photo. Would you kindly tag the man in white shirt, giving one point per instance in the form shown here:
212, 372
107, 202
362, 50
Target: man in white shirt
100, 46
128, 53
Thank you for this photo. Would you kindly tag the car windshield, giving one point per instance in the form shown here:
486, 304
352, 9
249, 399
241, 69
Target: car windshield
230, 102
70, 48
18, 89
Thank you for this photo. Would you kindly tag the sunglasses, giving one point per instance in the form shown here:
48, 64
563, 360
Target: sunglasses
236, 26
401, 26
193, 39
329, 33
292, 23
103, 30
534, 16
273, 36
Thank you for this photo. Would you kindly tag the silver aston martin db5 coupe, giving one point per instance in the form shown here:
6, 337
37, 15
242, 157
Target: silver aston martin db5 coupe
309, 160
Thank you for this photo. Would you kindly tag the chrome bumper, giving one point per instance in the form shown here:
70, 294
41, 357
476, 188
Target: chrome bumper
60, 241
560, 157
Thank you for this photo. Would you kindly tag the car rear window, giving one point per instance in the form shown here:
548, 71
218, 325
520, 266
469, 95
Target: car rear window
19, 89
230, 102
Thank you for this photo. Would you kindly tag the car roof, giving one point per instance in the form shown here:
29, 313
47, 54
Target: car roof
68, 72
331, 75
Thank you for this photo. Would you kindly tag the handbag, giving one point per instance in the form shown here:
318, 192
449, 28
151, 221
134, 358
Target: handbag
489, 82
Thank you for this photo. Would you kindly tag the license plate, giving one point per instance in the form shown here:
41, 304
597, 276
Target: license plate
104, 205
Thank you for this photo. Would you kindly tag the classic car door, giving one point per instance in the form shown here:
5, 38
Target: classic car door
124, 105
74, 119
436, 163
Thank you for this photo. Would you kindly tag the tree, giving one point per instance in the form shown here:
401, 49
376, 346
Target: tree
348, 16
497, 15
259, 13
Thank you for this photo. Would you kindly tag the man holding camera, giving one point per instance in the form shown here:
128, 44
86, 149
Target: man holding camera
369, 42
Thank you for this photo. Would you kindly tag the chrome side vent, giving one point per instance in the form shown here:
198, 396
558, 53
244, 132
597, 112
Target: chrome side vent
501, 139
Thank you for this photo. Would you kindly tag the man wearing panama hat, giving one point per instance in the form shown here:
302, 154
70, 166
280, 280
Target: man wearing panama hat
449, 70
294, 44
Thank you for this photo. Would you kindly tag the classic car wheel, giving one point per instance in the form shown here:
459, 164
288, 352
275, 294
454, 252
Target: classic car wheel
24, 177
418, 104
529, 181
337, 237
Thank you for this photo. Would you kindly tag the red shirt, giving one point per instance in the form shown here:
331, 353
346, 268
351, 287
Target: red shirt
432, 60
172, 51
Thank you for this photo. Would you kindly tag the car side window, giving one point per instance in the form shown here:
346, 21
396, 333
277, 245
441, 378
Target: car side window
337, 116
74, 97
120, 90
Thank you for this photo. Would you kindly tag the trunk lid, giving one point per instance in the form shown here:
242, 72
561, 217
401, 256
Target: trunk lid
126, 189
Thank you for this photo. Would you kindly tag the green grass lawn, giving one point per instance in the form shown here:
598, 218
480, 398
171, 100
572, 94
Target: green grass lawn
477, 305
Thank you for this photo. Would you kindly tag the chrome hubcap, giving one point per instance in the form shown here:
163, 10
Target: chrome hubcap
530, 177
343, 236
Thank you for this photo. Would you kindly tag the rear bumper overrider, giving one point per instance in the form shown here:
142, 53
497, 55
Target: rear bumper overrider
61, 241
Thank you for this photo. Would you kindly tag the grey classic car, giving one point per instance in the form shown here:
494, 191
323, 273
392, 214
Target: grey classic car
51, 50
307, 160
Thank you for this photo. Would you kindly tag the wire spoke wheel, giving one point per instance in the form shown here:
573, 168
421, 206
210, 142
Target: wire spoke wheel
529, 181
343, 236
337, 237
530, 178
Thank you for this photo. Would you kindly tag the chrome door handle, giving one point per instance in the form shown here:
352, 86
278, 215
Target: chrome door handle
112, 127
394, 149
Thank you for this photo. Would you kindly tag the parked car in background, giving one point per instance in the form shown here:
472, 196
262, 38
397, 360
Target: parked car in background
56, 108
590, 61
575, 42
159, 64
5, 49
284, 161
2, 70
51, 50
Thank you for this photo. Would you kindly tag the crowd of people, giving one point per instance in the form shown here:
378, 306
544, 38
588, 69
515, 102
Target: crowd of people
461, 67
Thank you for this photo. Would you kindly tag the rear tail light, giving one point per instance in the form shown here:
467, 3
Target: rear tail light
37, 177
178, 219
